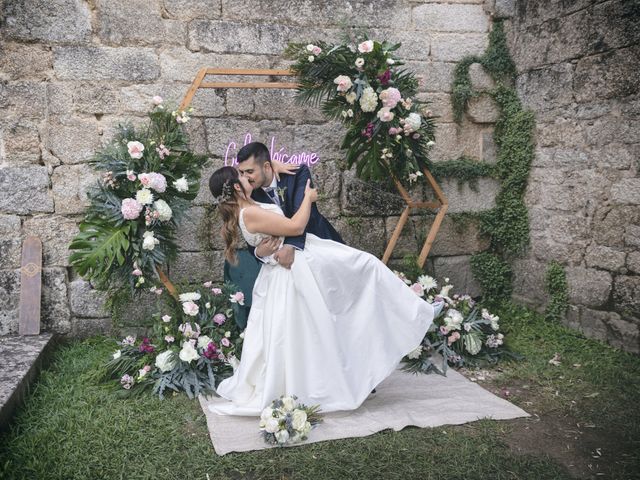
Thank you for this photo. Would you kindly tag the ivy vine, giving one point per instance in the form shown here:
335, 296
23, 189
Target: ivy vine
555, 283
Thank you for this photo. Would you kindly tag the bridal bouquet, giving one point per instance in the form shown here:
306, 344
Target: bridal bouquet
364, 85
195, 344
287, 421
463, 332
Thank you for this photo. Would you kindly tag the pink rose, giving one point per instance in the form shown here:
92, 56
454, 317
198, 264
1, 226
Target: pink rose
343, 82
131, 209
225, 342
137, 272
169, 339
190, 308
135, 149
417, 289
453, 337
316, 50
444, 330
385, 114
153, 180
219, 318
366, 47
390, 97
393, 131
237, 297
216, 291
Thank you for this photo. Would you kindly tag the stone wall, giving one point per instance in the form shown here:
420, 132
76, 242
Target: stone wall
71, 69
578, 71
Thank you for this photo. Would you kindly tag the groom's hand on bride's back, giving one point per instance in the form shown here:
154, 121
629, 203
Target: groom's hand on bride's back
285, 256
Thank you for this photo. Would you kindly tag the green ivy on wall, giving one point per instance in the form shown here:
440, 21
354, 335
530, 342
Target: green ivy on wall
555, 283
507, 224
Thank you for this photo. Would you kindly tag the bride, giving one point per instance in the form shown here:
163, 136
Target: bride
329, 329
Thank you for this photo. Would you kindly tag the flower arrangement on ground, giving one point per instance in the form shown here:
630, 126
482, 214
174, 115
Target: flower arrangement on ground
463, 332
363, 84
149, 177
195, 344
287, 421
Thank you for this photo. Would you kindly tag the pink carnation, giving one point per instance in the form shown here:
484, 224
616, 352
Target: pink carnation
366, 47
153, 180
219, 318
131, 209
225, 342
390, 97
417, 289
216, 291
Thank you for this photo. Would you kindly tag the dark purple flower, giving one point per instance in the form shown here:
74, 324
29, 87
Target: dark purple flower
145, 346
211, 351
368, 132
385, 77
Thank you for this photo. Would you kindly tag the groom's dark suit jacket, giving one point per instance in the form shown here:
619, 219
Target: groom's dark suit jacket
291, 192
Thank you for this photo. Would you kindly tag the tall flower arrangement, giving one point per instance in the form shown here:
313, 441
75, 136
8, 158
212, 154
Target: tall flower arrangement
149, 176
364, 85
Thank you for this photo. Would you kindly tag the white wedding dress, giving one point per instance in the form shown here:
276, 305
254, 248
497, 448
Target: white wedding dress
328, 330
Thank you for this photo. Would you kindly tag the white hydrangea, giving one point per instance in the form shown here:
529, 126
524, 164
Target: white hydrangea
412, 122
368, 100
181, 184
454, 319
163, 209
189, 297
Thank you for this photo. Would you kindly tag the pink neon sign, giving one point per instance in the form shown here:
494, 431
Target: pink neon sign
281, 155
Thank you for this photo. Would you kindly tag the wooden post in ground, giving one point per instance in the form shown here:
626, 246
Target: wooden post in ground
30, 286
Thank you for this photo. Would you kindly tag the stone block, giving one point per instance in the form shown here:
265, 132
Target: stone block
56, 233
204, 196
324, 140
604, 257
135, 64
454, 141
529, 280
626, 192
610, 224
327, 178
368, 198
193, 9
25, 190
56, 316
240, 102
47, 20
439, 106
458, 270
626, 295
9, 301
198, 267
280, 105
546, 88
483, 109
433, 76
86, 301
200, 230
19, 142
588, 287
452, 47
87, 327
633, 262
83, 97
20, 61
488, 149
623, 334
23, 99
136, 22
70, 186
450, 18
10, 244
480, 80
504, 8
208, 103
363, 233
462, 198
181, 65
74, 140
235, 37
452, 238
613, 74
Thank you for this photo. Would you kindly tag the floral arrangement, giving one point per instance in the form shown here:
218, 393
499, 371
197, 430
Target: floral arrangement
194, 345
362, 83
463, 332
149, 178
286, 421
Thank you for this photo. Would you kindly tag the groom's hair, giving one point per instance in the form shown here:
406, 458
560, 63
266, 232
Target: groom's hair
258, 150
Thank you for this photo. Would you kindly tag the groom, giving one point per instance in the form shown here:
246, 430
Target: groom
254, 163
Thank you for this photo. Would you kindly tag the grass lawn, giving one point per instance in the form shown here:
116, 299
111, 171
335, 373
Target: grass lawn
585, 424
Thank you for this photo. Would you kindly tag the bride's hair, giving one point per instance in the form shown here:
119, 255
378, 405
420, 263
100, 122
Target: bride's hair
221, 184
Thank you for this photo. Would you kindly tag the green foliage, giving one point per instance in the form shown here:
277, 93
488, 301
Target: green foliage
463, 169
368, 144
555, 283
494, 276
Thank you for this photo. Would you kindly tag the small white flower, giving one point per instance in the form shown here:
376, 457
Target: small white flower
272, 425
310, 47
117, 354
166, 318
288, 404
366, 47
190, 308
282, 436
181, 184
350, 97
188, 353
144, 196
415, 353
203, 341
311, 58
189, 296
149, 241
157, 100
430, 143
359, 62
390, 61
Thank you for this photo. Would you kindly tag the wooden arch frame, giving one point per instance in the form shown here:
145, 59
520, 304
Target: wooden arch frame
441, 202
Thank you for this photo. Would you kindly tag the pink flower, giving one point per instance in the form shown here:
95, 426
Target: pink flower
385, 114
316, 50
216, 291
190, 308
390, 97
135, 149
343, 82
366, 47
385, 77
416, 136
157, 100
221, 356
393, 131
211, 351
219, 318
127, 381
207, 284
455, 336
225, 342
368, 132
130, 208
444, 330
131, 176
137, 272
153, 180
417, 289
169, 339
237, 297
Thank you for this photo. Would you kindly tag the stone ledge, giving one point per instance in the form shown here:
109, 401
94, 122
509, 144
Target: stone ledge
22, 358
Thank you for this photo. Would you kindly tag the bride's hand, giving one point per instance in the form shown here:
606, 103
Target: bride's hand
268, 246
312, 193
279, 167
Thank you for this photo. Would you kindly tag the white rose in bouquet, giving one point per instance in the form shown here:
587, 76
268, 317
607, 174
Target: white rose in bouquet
203, 341
166, 361
282, 436
454, 319
149, 242
135, 149
288, 404
298, 419
188, 353
272, 425
266, 414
